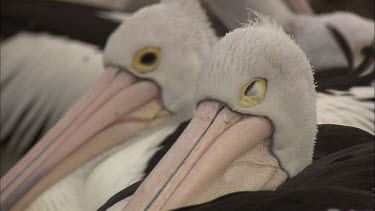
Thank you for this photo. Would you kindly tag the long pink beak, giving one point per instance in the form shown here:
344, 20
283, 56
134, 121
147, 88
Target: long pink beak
215, 137
102, 118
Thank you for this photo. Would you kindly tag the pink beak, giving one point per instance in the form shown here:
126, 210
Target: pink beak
215, 137
104, 116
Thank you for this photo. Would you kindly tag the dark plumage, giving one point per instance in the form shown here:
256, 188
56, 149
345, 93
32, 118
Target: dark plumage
352, 167
120, 196
332, 138
79, 22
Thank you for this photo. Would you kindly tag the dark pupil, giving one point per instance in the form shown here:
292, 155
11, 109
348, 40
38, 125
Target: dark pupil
249, 88
148, 58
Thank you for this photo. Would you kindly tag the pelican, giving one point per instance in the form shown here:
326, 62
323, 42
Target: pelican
325, 52
147, 86
347, 64
254, 127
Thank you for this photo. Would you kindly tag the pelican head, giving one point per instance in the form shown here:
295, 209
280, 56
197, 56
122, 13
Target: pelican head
254, 126
151, 64
165, 43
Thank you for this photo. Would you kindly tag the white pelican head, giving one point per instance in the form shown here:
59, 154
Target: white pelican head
165, 43
255, 123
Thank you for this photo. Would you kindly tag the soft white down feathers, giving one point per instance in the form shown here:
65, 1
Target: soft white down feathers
263, 50
183, 33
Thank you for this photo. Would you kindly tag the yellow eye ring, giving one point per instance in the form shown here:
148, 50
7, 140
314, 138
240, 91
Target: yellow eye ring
253, 92
146, 59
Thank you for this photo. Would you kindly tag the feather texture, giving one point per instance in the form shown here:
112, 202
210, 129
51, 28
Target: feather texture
41, 77
354, 107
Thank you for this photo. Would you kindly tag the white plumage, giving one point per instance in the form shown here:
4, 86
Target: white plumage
41, 77
350, 108
44, 74
93, 184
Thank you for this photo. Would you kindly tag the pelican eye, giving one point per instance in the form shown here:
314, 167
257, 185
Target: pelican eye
253, 92
146, 59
